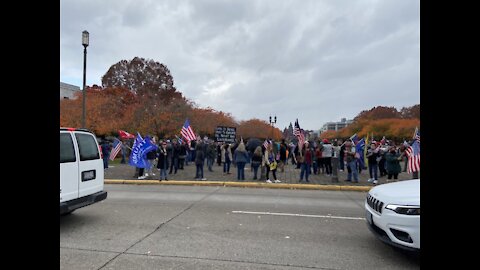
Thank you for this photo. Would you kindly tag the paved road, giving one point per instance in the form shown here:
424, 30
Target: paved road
198, 227
290, 175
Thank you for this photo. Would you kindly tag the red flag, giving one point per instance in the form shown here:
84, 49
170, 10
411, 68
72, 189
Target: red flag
125, 135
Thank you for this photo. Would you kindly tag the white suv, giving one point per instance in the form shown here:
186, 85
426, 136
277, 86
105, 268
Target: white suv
81, 170
393, 213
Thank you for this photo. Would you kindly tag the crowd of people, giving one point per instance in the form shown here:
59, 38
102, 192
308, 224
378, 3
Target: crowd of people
311, 157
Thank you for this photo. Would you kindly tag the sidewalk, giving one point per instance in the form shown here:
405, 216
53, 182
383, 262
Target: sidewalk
290, 178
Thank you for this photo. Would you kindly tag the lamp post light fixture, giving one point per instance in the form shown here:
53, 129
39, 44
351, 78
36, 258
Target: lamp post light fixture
272, 122
85, 40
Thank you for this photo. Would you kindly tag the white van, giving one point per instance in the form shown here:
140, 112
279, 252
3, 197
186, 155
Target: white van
81, 170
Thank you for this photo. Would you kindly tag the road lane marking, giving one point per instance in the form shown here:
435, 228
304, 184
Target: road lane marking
295, 215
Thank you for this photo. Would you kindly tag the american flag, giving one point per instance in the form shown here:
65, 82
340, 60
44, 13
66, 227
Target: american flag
413, 154
265, 143
117, 146
382, 141
298, 132
416, 135
187, 132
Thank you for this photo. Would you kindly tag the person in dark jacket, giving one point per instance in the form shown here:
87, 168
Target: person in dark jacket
372, 155
106, 153
211, 153
381, 161
226, 158
124, 153
151, 156
182, 155
257, 161
199, 160
174, 152
392, 159
219, 154
240, 157
162, 163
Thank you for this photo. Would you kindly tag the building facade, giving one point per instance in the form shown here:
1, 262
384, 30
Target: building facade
67, 91
336, 126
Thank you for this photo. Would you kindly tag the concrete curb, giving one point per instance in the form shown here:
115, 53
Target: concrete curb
239, 184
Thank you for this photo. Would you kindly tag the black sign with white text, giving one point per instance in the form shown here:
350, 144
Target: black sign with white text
225, 134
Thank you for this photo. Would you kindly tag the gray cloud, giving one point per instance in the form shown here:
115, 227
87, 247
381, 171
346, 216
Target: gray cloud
317, 61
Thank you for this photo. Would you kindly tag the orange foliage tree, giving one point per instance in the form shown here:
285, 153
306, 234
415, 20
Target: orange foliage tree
106, 109
381, 121
205, 120
394, 129
160, 117
256, 128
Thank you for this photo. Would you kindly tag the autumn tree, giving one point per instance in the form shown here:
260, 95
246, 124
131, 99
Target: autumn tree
142, 77
256, 128
379, 112
397, 129
411, 112
205, 120
329, 134
107, 110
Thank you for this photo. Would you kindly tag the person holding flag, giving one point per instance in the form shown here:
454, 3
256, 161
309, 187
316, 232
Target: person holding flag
300, 134
138, 156
392, 159
353, 139
106, 147
413, 154
359, 149
365, 153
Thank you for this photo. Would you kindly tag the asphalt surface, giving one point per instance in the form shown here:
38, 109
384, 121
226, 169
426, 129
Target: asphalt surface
291, 175
197, 227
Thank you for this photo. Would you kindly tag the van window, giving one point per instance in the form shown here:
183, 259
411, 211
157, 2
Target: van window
67, 152
87, 146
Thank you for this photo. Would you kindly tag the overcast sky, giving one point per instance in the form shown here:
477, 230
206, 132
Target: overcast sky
317, 61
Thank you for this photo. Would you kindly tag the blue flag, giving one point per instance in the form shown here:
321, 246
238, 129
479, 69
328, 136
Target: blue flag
141, 147
354, 138
359, 148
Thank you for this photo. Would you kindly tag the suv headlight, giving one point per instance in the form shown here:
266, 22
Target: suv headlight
404, 209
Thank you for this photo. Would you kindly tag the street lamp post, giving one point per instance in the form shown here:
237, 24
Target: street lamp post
272, 123
85, 37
